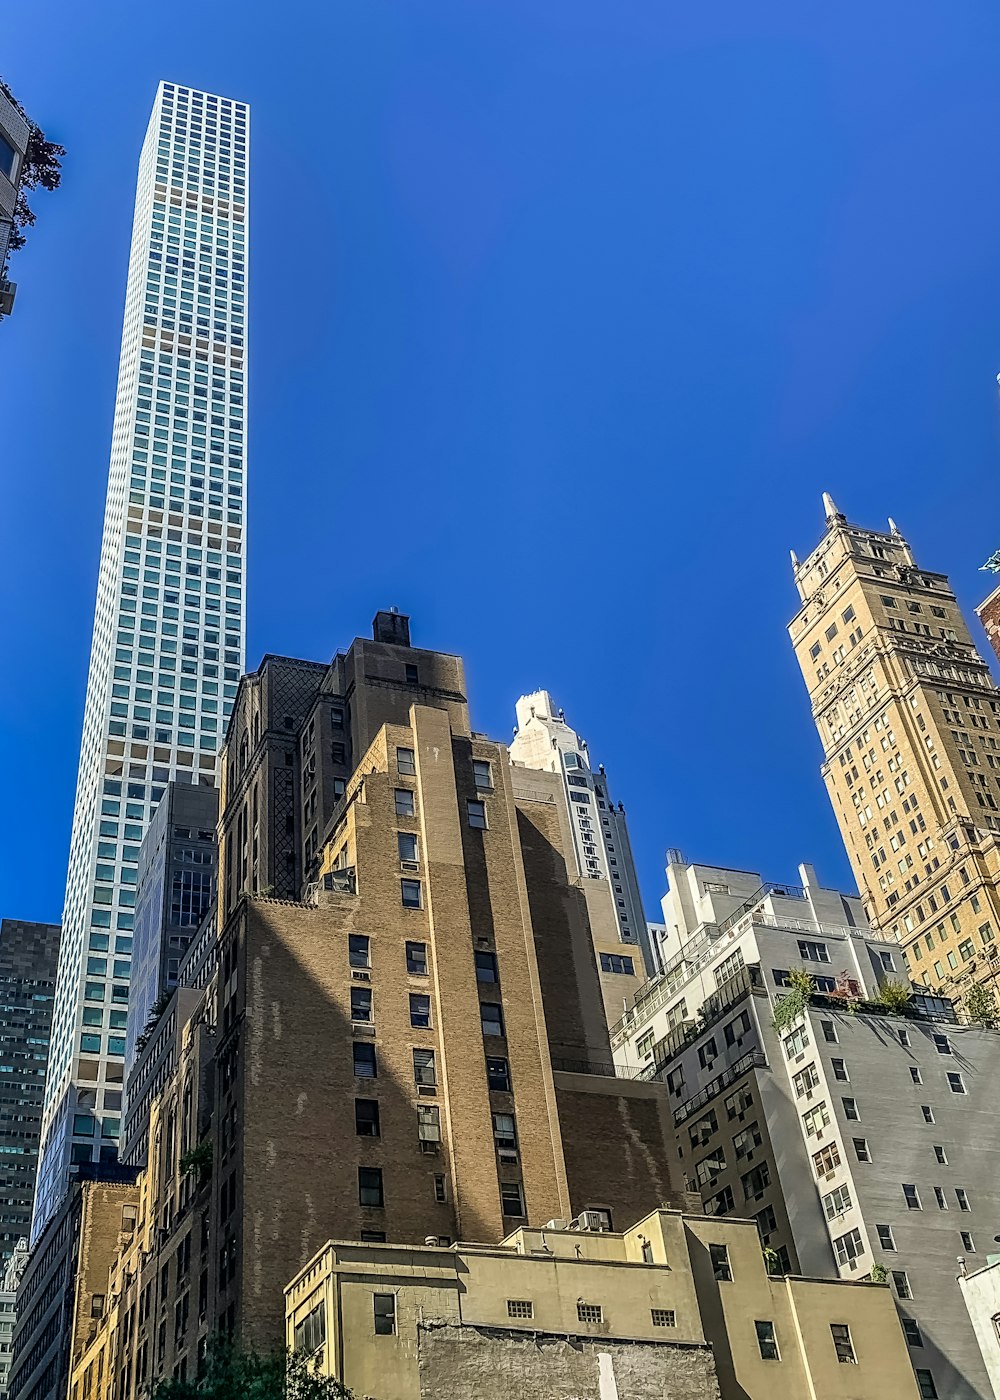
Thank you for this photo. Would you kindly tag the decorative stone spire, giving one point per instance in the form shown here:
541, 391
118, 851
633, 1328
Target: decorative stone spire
894, 529
830, 510
795, 558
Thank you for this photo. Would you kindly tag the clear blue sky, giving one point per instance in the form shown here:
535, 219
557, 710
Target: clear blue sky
562, 316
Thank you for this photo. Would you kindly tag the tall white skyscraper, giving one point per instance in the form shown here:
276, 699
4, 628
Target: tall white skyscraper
168, 640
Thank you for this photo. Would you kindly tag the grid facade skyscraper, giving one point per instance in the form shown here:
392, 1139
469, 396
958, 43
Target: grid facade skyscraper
168, 641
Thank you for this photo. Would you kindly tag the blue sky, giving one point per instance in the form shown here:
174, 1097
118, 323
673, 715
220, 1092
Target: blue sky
562, 317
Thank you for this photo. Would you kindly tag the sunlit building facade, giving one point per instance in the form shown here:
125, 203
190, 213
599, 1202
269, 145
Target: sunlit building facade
168, 640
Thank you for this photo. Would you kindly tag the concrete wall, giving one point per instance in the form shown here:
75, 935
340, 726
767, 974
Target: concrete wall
981, 1295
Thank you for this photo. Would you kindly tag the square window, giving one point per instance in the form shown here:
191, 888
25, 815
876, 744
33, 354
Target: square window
942, 1045
385, 1314
366, 1118
520, 1307
410, 892
589, 1312
663, 1317
766, 1341
370, 1186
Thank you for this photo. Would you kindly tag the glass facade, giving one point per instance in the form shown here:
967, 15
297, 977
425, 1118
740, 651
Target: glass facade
168, 643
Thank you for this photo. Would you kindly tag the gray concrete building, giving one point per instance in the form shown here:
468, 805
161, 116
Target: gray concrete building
855, 1124
29, 955
15, 130
177, 872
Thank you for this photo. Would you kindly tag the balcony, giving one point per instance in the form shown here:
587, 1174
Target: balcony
755, 1060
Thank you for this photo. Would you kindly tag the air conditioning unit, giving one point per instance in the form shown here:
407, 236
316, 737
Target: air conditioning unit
409, 865
430, 1148
361, 976
556, 1225
589, 1220
427, 1089
507, 1155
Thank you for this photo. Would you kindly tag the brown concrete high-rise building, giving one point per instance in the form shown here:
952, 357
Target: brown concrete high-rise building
408, 1041
909, 718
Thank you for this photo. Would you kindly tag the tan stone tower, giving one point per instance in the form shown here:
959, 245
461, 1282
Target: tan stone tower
909, 717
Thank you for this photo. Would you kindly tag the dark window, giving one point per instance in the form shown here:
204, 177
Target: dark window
721, 1266
498, 1073
926, 1386
366, 1121
407, 844
424, 1068
365, 1063
358, 950
361, 1004
477, 814
416, 959
844, 1347
370, 1186
420, 1010
491, 1014
486, 967
511, 1198
410, 890
406, 761
911, 1331
766, 1341
405, 806
385, 1314
616, 962
412, 674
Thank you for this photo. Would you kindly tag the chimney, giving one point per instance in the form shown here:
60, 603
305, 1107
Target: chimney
392, 628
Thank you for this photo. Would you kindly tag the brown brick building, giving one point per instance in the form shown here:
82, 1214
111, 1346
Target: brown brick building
410, 1044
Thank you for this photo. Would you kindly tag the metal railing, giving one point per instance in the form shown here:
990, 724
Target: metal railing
755, 1060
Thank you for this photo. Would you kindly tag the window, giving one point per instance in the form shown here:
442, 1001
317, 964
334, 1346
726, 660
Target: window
967, 1241
926, 1386
940, 1198
912, 1197
370, 1186
816, 1119
504, 1132
722, 1203
416, 959
406, 762
616, 962
928, 1112
709, 1167
901, 1283
440, 1188
366, 1122
956, 1083
486, 967
839, 1068
830, 1032
734, 1030
746, 1141
428, 1122
663, 1317
410, 890
911, 1331
477, 814
885, 1237
942, 1045
424, 1068
940, 1156
498, 1074
359, 950
962, 1198
844, 1347
904, 1035
848, 1247
520, 1307
407, 845
420, 1010
837, 1202
796, 1042
861, 1150
385, 1314
755, 1182
361, 1004
511, 1198
589, 1312
826, 1159
310, 1333
404, 803
491, 1015
766, 1341
365, 1063
915, 1074
721, 1266
813, 952
482, 773
851, 1110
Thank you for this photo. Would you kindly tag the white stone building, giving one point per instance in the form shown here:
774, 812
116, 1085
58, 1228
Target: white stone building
168, 640
860, 1140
